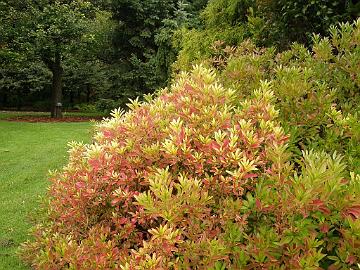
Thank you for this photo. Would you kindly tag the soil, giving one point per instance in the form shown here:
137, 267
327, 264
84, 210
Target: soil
48, 119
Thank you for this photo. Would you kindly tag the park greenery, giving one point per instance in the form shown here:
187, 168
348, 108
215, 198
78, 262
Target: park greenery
239, 147
27, 152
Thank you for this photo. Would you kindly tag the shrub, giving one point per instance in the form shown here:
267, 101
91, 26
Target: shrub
245, 66
196, 46
197, 179
86, 107
332, 66
106, 105
308, 85
44, 105
220, 13
295, 21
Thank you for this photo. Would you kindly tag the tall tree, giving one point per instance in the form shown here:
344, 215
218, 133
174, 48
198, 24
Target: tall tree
48, 30
134, 41
143, 40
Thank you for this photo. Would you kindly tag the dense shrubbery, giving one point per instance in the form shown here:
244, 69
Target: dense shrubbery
283, 22
317, 90
268, 23
195, 45
198, 178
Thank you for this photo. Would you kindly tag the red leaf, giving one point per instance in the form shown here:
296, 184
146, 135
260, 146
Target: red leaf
115, 201
325, 210
258, 203
107, 133
344, 181
351, 259
80, 185
226, 143
181, 136
324, 228
250, 175
353, 212
94, 163
123, 220
214, 145
317, 203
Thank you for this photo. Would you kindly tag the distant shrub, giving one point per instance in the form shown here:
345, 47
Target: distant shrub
220, 13
198, 179
106, 105
295, 21
43, 105
86, 107
196, 46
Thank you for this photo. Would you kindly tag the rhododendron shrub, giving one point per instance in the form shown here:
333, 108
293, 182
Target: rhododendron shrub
197, 179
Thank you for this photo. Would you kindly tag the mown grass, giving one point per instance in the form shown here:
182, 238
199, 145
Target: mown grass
27, 152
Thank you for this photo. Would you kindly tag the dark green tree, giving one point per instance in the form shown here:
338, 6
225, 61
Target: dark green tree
296, 21
50, 31
143, 41
20, 78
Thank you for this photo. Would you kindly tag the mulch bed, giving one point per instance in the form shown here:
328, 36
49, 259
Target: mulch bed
48, 119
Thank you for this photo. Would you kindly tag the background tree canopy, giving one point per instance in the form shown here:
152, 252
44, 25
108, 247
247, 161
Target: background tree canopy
51, 34
101, 52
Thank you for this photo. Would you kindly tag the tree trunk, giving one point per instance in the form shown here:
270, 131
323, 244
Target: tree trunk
56, 99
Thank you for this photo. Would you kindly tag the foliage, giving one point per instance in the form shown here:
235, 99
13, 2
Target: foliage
219, 13
243, 67
185, 15
314, 88
198, 179
223, 21
143, 41
86, 107
116, 49
108, 105
285, 22
50, 35
332, 65
268, 23
134, 42
197, 45
18, 78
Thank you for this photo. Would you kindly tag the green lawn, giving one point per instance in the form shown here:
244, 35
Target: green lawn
27, 152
